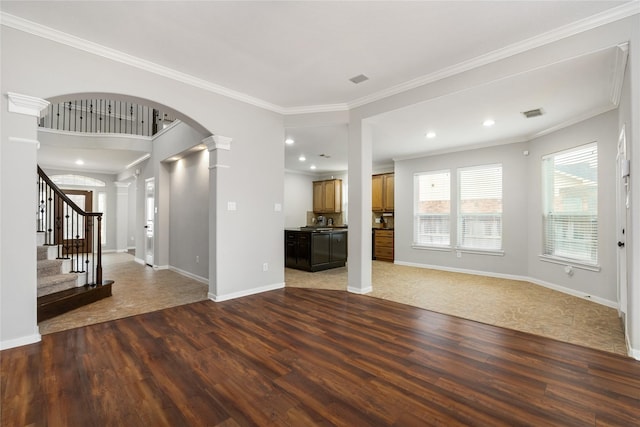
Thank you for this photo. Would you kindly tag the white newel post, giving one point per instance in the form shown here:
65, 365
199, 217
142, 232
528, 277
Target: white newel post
219, 148
18, 201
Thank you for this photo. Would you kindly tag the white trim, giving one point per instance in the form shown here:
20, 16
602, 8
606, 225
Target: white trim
164, 130
109, 251
138, 161
217, 142
569, 262
360, 291
495, 252
622, 53
139, 260
17, 342
189, 275
240, 294
95, 134
606, 17
121, 251
586, 24
432, 248
25, 104
25, 140
532, 280
217, 165
160, 267
43, 31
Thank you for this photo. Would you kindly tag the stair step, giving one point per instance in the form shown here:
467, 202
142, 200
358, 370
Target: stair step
49, 267
56, 283
47, 252
57, 303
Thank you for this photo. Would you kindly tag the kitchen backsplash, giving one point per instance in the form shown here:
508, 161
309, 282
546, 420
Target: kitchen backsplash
338, 219
380, 221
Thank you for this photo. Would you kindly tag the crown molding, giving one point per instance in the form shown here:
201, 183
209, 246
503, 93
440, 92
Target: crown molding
25, 104
40, 30
611, 15
603, 18
622, 53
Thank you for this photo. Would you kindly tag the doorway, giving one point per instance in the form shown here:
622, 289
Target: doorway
149, 214
72, 234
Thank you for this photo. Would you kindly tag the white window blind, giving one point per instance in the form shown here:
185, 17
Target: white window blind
570, 204
480, 207
432, 209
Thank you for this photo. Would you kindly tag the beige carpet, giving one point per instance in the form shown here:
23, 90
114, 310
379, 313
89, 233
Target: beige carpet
506, 303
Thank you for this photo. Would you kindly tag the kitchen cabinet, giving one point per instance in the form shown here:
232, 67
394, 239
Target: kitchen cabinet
315, 250
327, 196
383, 244
382, 192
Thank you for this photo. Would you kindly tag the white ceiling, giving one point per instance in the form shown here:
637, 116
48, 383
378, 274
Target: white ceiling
298, 56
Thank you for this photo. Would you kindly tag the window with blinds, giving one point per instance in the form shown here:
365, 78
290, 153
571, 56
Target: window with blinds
570, 204
432, 210
480, 208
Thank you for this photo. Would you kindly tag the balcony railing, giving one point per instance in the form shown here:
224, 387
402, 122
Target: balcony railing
103, 116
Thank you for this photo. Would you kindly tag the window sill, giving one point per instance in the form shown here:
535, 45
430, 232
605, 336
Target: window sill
569, 262
431, 248
495, 252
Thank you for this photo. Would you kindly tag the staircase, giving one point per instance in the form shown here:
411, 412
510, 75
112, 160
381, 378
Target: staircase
69, 253
60, 291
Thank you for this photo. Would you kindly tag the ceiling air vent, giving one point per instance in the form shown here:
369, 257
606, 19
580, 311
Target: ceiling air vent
359, 79
532, 113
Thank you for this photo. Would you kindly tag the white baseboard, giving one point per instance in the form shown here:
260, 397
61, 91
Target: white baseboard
109, 251
139, 261
189, 275
360, 291
535, 281
17, 342
240, 294
160, 267
130, 248
634, 353
121, 251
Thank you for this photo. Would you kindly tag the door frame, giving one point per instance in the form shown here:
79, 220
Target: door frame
149, 258
622, 211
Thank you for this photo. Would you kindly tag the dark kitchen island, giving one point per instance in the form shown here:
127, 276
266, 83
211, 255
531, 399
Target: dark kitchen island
315, 248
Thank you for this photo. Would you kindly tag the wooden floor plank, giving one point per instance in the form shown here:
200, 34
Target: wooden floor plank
311, 357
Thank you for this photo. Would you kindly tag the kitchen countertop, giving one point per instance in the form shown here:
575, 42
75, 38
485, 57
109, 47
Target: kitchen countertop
382, 228
319, 229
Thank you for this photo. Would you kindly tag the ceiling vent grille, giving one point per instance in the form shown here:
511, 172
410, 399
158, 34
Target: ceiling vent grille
359, 78
532, 113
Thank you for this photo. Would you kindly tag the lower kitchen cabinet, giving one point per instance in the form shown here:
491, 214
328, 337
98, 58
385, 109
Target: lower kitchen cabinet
315, 251
383, 245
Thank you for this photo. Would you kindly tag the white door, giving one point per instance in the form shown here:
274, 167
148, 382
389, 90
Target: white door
622, 207
149, 214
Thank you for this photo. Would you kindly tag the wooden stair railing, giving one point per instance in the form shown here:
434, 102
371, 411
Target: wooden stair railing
76, 233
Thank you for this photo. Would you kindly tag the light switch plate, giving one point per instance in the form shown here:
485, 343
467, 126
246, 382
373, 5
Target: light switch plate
277, 207
231, 206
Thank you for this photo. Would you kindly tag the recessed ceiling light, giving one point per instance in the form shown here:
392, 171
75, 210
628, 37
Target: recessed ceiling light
312, 167
289, 141
431, 135
302, 158
79, 162
488, 123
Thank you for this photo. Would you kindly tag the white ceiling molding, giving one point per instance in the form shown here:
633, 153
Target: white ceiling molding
118, 56
25, 104
606, 17
48, 167
573, 121
622, 53
611, 15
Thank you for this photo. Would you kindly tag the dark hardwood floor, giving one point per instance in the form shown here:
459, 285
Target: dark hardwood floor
311, 357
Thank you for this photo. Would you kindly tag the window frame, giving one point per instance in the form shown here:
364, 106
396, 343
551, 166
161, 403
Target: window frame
416, 200
548, 198
460, 216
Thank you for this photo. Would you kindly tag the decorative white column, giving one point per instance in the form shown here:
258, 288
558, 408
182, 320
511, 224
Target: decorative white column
219, 151
18, 161
122, 215
360, 157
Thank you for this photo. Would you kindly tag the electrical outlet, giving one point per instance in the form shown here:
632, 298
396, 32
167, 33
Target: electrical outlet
197, 259
459, 254
265, 266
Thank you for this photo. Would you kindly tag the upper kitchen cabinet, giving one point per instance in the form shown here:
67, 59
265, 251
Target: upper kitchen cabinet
327, 196
382, 192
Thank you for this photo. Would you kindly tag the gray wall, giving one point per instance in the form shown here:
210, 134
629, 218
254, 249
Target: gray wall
298, 198
522, 200
189, 214
514, 170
